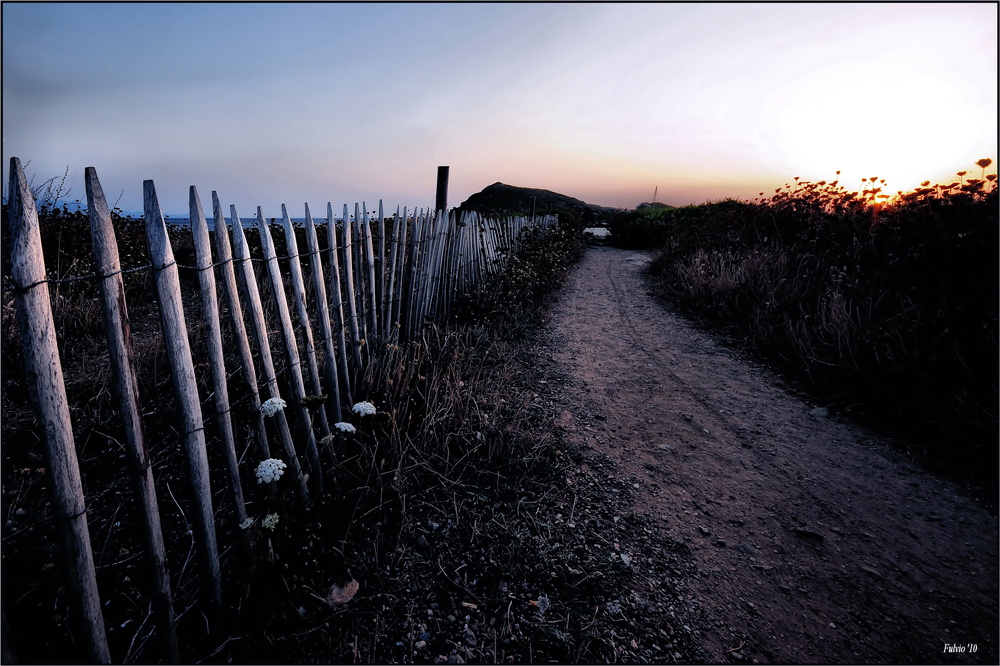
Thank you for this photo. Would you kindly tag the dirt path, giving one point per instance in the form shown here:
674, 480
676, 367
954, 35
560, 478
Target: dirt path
814, 541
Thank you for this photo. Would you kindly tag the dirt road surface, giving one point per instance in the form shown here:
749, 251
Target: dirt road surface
814, 540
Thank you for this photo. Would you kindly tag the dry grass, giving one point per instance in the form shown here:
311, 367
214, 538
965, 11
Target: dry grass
454, 434
883, 306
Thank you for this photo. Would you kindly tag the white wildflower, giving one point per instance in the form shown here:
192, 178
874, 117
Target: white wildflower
344, 427
364, 408
246, 523
270, 520
543, 604
270, 470
273, 406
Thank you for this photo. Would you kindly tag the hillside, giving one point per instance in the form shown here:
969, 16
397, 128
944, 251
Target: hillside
502, 198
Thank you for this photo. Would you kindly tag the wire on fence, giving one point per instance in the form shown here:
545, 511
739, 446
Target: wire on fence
126, 271
78, 278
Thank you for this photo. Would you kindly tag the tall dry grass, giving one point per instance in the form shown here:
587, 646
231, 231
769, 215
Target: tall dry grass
446, 424
884, 306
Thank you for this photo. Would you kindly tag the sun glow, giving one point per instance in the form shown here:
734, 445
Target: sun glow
901, 139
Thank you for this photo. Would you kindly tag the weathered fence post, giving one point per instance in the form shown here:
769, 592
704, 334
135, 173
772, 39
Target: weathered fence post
337, 303
323, 314
248, 281
390, 298
175, 339
299, 291
352, 307
298, 385
291, 350
41, 361
400, 275
126, 389
426, 263
413, 285
380, 266
225, 254
359, 278
417, 264
432, 277
441, 199
372, 303
216, 359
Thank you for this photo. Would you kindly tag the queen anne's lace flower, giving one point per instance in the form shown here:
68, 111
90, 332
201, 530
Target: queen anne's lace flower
364, 408
344, 427
270, 520
270, 470
272, 406
246, 523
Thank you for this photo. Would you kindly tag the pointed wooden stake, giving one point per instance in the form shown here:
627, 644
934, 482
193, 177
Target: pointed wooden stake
228, 274
175, 339
45, 382
213, 336
337, 302
248, 283
126, 391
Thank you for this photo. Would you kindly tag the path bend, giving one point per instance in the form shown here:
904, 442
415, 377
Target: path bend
814, 540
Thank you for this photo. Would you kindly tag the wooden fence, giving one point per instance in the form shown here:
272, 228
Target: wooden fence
388, 278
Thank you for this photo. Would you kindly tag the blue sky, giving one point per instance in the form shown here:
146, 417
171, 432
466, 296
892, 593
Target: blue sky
274, 103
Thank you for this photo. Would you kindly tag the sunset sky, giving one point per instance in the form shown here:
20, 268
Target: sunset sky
272, 104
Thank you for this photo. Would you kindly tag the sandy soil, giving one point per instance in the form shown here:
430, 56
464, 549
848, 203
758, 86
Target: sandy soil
814, 541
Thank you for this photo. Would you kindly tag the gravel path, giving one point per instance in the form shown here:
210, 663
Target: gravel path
813, 540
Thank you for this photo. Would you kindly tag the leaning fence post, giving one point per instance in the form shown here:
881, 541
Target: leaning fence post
291, 350
433, 274
400, 276
372, 304
416, 251
225, 254
175, 339
390, 318
380, 266
299, 291
126, 388
248, 281
352, 307
359, 278
213, 336
41, 361
323, 313
337, 303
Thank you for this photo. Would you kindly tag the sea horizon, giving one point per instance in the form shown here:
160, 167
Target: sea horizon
248, 222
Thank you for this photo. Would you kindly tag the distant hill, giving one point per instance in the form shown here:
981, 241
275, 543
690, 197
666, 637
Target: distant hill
655, 204
499, 198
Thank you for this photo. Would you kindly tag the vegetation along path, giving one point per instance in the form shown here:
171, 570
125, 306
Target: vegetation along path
813, 540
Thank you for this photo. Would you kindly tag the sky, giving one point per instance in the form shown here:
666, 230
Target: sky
608, 103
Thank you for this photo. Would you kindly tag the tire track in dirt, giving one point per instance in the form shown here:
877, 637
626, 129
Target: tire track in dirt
814, 541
